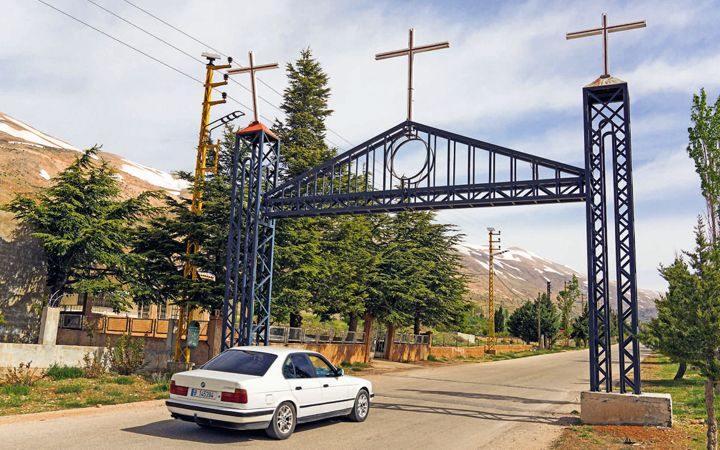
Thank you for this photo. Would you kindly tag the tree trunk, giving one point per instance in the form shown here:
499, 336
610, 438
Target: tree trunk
353, 322
416, 325
710, 409
295, 320
682, 367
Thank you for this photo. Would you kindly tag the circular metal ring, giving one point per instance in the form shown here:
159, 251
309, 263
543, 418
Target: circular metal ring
424, 170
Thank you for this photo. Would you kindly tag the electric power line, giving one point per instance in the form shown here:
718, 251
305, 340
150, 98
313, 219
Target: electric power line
225, 55
132, 24
153, 58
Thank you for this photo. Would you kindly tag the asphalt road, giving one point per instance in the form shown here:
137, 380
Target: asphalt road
517, 404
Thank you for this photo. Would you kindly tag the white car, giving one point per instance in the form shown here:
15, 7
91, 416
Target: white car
271, 388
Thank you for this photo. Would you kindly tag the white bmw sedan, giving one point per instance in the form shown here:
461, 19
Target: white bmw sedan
269, 388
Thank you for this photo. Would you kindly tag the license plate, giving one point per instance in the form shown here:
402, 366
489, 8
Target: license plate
203, 393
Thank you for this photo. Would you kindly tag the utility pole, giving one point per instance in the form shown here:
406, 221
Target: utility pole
190, 271
493, 250
538, 316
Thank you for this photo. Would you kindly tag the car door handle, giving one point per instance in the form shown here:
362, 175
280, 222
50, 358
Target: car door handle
326, 385
298, 388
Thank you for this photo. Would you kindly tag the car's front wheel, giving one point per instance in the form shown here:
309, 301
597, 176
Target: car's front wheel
283, 422
361, 409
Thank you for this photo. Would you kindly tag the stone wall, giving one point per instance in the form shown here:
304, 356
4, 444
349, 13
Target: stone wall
22, 281
337, 353
43, 356
408, 352
474, 352
158, 351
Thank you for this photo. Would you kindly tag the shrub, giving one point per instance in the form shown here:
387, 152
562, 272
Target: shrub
23, 375
69, 389
127, 356
57, 372
11, 389
95, 364
123, 380
161, 381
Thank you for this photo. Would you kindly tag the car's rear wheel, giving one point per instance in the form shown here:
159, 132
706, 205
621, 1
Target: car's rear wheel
361, 409
283, 422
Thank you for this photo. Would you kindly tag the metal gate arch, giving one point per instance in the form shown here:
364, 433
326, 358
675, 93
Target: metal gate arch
459, 172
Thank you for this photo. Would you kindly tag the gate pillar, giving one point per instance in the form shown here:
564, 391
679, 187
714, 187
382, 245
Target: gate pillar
607, 127
251, 240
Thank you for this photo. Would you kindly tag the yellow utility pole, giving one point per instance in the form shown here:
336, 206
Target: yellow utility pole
494, 249
190, 271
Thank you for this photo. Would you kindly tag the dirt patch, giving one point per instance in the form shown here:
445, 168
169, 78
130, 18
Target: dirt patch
623, 437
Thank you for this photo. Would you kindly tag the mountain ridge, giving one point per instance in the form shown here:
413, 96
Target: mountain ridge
520, 275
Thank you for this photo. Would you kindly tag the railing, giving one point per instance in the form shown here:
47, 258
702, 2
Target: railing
409, 338
309, 336
156, 328
453, 340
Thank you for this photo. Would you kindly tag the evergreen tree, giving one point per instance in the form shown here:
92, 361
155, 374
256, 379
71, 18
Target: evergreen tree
305, 102
419, 279
300, 262
523, 322
84, 226
580, 330
159, 246
692, 311
501, 317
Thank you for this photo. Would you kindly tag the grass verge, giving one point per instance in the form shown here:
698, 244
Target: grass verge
50, 395
355, 367
688, 400
500, 356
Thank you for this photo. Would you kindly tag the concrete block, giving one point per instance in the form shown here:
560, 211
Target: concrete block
609, 408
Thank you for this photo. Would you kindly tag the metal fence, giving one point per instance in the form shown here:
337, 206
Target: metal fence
409, 338
157, 328
310, 336
454, 340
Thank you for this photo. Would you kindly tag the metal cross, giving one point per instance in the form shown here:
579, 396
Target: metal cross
604, 30
410, 52
251, 69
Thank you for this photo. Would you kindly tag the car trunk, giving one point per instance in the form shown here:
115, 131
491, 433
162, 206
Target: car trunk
211, 380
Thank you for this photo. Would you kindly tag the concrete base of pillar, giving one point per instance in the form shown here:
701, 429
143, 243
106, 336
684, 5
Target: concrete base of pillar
608, 408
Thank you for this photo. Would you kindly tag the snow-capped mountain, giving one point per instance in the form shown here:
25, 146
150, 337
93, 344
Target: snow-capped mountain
30, 158
520, 275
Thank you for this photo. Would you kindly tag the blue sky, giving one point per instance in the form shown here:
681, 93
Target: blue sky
509, 78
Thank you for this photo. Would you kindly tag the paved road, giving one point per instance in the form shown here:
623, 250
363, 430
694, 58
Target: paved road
516, 404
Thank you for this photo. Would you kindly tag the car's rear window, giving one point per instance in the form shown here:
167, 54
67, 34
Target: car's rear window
241, 361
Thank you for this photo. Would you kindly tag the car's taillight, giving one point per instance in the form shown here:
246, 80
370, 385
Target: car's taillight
178, 390
239, 396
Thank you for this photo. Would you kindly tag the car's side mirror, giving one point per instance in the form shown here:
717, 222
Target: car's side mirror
340, 372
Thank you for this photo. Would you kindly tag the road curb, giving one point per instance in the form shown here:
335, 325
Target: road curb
77, 412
